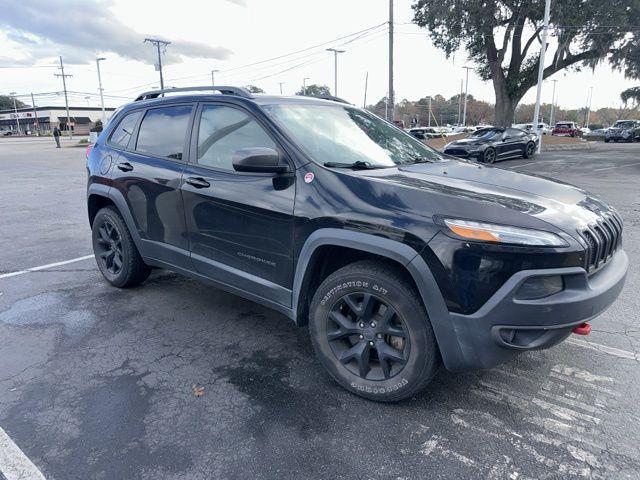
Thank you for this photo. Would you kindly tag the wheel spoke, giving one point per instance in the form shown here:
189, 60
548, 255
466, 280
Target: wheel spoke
360, 353
345, 326
104, 254
350, 300
368, 304
104, 235
117, 261
387, 352
387, 327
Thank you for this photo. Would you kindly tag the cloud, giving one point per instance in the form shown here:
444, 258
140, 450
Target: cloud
79, 29
242, 3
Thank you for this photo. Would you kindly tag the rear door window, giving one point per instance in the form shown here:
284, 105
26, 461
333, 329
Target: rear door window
122, 133
163, 131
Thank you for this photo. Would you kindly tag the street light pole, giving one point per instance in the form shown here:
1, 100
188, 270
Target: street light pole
466, 93
589, 106
335, 69
304, 85
213, 78
392, 100
543, 49
553, 103
15, 109
430, 114
280, 83
98, 60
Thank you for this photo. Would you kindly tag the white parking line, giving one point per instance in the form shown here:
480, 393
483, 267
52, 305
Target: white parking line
616, 352
614, 167
44, 267
14, 464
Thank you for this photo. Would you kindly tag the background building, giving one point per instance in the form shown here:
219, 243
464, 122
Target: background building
82, 119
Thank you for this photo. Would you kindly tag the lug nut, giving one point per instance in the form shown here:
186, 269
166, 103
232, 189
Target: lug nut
361, 324
371, 343
373, 324
379, 335
361, 336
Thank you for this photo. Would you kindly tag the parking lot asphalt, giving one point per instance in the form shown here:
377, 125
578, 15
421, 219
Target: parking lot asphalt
102, 383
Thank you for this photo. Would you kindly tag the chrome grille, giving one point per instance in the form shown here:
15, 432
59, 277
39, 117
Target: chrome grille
603, 239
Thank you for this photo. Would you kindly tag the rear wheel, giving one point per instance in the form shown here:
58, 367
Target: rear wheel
529, 150
371, 332
489, 155
116, 254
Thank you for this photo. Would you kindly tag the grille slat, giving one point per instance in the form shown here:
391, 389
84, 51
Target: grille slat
602, 239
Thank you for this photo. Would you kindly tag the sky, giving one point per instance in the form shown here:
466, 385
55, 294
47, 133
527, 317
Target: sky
239, 38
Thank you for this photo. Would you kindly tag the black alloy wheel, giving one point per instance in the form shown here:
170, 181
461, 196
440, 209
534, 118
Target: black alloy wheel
368, 336
489, 155
109, 248
529, 150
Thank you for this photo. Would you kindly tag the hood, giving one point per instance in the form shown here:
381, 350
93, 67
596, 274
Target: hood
468, 141
497, 195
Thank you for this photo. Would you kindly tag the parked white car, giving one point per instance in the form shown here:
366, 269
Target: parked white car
543, 128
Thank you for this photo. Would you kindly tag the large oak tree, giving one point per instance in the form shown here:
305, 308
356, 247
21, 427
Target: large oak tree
503, 39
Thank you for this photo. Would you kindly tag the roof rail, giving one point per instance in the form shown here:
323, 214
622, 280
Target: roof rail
239, 91
329, 97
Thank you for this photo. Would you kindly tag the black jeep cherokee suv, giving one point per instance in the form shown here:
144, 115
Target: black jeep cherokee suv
396, 256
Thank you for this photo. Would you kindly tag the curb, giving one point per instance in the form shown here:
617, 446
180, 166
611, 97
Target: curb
558, 148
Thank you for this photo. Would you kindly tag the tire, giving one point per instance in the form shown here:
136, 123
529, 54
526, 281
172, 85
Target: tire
606, 140
529, 150
116, 254
403, 334
489, 155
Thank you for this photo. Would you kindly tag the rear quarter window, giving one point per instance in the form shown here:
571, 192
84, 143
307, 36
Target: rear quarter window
122, 133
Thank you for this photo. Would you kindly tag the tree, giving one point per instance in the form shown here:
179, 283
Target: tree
632, 94
499, 37
254, 89
6, 103
314, 90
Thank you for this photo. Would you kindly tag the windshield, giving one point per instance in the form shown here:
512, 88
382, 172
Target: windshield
486, 133
626, 124
347, 134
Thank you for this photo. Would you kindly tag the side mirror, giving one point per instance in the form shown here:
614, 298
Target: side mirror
258, 160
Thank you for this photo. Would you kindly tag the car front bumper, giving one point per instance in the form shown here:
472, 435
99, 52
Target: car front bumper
505, 325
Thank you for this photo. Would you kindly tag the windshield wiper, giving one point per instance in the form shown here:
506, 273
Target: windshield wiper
357, 165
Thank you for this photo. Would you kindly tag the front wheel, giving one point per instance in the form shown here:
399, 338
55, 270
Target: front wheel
529, 150
371, 332
116, 254
489, 155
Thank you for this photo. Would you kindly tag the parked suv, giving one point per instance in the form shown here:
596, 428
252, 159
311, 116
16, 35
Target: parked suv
623, 131
566, 129
396, 256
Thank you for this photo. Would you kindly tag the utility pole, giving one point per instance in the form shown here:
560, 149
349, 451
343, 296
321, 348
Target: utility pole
35, 114
98, 60
391, 103
335, 69
159, 44
15, 109
213, 78
366, 84
429, 115
64, 87
304, 85
553, 103
589, 106
466, 94
460, 103
280, 83
543, 49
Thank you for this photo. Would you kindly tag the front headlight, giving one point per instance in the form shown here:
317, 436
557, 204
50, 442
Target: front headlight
488, 232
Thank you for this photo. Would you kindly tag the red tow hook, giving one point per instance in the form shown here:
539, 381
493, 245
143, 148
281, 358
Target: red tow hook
582, 329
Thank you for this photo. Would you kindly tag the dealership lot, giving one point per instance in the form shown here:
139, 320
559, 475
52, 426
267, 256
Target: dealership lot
176, 379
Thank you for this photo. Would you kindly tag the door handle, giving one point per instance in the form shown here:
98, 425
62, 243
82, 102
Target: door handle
198, 182
125, 166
